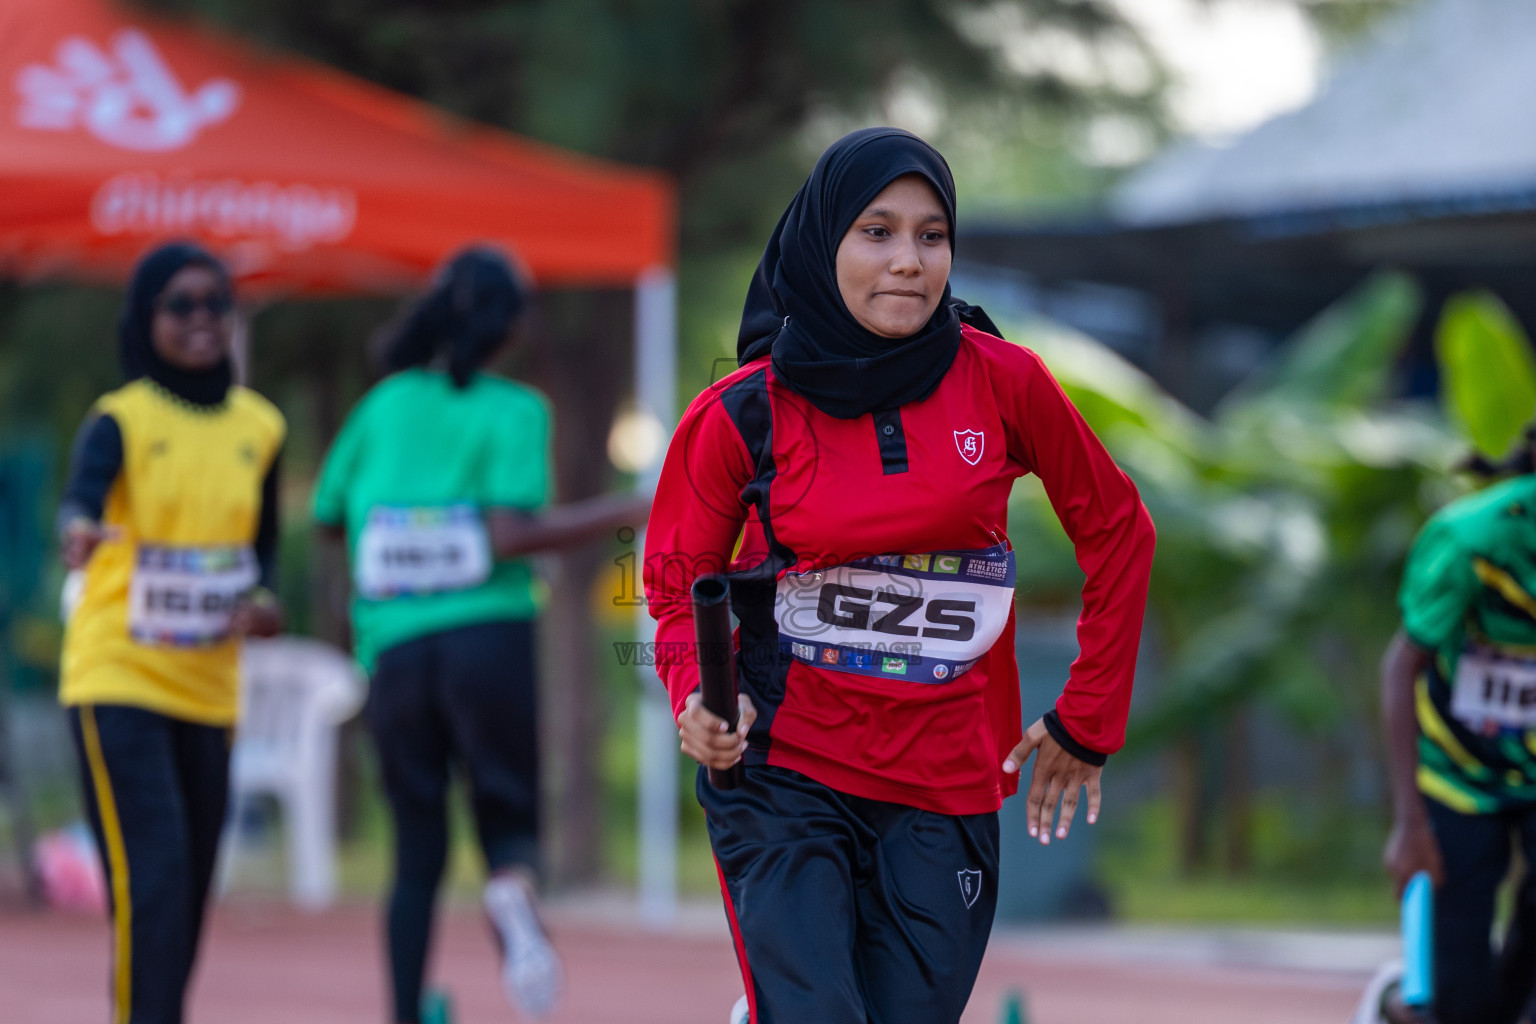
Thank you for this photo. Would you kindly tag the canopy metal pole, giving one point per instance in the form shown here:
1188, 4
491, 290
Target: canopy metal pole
656, 395
240, 343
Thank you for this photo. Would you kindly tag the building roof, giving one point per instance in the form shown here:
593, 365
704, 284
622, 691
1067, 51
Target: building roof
1434, 113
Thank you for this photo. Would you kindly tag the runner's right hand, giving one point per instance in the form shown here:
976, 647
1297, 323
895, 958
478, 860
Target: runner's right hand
80, 539
704, 736
1411, 848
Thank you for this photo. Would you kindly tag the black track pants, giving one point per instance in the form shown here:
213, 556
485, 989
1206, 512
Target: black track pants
848, 910
1474, 983
462, 696
155, 792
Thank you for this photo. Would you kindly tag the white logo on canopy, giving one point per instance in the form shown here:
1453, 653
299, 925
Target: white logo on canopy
127, 97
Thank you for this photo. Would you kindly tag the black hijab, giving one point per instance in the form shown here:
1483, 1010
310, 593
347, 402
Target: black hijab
464, 316
135, 344
795, 310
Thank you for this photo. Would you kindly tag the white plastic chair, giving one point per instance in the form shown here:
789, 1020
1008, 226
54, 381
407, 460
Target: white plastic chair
294, 693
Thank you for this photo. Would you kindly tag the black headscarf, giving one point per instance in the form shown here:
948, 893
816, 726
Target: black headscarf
466, 315
135, 344
795, 310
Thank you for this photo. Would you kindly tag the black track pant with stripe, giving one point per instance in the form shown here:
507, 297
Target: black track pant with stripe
847, 910
155, 792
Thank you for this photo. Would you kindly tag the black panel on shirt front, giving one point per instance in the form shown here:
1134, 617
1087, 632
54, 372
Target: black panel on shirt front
761, 667
746, 402
893, 441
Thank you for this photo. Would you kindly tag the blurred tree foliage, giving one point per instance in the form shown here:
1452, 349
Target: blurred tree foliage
1283, 520
736, 99
716, 93
1343, 22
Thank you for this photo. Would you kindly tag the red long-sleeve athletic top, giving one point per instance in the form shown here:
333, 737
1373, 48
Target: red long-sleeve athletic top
892, 527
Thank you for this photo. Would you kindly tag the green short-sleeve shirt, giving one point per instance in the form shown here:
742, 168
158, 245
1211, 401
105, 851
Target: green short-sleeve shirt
1470, 583
416, 441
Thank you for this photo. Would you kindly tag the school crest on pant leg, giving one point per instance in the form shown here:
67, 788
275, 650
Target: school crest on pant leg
970, 886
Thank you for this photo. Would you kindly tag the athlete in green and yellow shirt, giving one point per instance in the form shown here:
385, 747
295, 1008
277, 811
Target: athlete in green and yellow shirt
1459, 702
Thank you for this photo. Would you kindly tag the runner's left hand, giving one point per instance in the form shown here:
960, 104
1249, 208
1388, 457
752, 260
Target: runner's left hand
1057, 776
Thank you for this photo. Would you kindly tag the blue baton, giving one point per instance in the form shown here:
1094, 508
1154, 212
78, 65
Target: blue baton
1418, 923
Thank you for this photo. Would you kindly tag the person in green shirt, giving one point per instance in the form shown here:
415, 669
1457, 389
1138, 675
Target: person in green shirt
1459, 706
439, 480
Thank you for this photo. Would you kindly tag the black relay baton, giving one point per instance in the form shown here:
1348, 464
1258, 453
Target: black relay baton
717, 662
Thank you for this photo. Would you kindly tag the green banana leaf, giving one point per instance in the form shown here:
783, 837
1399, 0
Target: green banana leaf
1110, 393
1345, 355
1487, 375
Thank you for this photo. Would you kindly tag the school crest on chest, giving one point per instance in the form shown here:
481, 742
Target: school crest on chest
970, 444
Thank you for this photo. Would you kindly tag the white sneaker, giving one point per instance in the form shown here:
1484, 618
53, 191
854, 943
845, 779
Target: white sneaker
1369, 1010
740, 1013
531, 975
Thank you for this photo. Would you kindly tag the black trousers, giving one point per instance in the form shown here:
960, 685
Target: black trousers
464, 696
155, 791
847, 910
1474, 983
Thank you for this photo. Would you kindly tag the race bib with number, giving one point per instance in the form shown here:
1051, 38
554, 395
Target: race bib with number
922, 618
422, 551
185, 596
1493, 687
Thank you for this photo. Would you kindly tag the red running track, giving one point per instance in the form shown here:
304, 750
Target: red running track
263, 964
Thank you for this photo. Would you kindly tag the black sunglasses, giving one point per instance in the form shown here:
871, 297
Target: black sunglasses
182, 305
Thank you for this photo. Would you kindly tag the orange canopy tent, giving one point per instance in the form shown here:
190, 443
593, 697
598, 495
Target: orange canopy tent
117, 129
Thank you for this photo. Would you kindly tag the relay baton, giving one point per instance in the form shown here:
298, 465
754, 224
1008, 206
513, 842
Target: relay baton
1418, 924
717, 662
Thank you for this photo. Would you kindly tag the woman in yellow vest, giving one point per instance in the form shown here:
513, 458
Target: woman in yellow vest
171, 511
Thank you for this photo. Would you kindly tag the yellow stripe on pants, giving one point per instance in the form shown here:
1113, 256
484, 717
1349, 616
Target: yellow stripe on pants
117, 865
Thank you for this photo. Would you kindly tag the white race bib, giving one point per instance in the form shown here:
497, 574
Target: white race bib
922, 618
1492, 686
185, 596
422, 551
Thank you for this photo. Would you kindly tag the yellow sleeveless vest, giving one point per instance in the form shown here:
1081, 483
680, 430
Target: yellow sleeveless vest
190, 477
